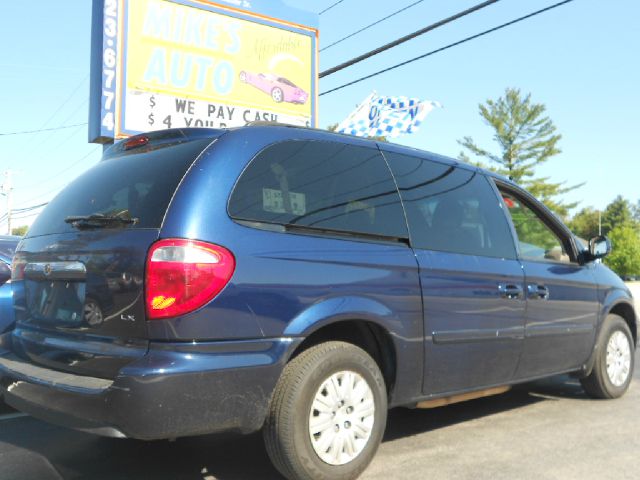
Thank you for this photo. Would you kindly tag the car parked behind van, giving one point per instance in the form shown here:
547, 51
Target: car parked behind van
301, 283
8, 244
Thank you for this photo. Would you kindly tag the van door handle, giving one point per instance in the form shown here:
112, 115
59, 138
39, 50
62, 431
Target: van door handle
509, 290
538, 292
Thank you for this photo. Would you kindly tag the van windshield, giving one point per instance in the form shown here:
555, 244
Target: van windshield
142, 184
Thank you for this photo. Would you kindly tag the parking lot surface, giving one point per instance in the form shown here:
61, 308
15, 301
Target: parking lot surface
544, 430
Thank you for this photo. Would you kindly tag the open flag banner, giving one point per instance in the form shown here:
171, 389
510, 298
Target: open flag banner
390, 117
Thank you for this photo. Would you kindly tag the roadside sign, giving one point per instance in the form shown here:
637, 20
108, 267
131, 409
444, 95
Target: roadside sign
175, 63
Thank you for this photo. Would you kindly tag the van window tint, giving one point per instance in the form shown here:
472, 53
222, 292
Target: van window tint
142, 183
535, 239
451, 209
321, 185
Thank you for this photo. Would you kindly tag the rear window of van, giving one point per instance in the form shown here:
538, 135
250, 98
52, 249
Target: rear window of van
142, 184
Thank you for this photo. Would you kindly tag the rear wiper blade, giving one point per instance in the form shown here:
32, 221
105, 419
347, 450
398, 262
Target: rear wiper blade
98, 220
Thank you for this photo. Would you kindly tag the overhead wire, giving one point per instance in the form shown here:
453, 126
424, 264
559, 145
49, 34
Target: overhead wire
27, 209
22, 217
451, 45
61, 127
46, 138
62, 172
75, 90
43, 127
397, 12
406, 38
330, 7
58, 175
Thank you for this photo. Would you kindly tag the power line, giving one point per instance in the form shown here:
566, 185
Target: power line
331, 6
62, 127
72, 134
406, 38
371, 25
28, 209
49, 192
451, 45
22, 214
62, 172
7, 191
29, 215
57, 189
46, 138
66, 101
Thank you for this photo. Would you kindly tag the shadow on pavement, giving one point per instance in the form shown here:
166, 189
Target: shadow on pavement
406, 422
33, 449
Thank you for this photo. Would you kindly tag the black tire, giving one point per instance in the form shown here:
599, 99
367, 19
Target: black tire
286, 431
599, 384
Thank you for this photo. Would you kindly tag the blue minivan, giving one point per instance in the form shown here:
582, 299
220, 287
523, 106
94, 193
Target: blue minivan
301, 283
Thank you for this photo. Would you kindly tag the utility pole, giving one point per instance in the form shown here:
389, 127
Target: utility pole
7, 189
599, 222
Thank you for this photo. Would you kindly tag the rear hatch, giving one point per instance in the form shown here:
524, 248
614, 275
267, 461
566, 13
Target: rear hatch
79, 274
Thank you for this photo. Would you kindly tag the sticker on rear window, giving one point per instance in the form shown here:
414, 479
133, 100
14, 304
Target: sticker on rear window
273, 201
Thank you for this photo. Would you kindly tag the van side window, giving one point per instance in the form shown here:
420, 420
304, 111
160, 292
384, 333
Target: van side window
535, 239
322, 185
451, 209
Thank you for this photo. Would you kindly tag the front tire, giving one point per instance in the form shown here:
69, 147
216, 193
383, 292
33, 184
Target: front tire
277, 95
614, 362
327, 415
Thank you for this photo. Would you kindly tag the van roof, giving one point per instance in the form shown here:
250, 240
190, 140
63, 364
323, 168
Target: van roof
179, 135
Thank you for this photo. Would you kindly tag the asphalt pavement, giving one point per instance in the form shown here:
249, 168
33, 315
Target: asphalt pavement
545, 430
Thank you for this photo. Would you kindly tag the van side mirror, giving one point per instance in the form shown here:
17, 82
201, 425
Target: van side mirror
599, 247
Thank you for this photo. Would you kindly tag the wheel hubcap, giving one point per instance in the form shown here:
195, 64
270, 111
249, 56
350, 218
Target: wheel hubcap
92, 314
618, 358
341, 418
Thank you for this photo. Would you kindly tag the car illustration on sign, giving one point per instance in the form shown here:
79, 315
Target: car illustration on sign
280, 89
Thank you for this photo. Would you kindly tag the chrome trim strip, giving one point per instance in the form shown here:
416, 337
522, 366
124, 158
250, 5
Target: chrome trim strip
55, 271
477, 335
560, 329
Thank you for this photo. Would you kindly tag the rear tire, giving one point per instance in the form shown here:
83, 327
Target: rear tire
614, 363
316, 432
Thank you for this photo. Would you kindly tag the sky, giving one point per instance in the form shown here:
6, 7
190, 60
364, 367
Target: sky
581, 60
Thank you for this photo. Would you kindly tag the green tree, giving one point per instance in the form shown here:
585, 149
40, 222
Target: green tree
585, 223
625, 256
526, 138
20, 231
636, 212
618, 213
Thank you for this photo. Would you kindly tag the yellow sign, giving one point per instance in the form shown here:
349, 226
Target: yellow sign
204, 67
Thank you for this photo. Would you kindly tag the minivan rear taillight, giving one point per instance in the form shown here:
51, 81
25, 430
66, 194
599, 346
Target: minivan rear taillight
184, 275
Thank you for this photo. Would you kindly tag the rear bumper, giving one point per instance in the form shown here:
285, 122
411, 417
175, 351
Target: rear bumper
175, 390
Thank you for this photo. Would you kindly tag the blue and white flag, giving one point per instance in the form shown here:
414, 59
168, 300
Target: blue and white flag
386, 116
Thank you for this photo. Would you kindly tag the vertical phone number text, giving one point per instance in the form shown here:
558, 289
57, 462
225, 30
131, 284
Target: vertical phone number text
109, 62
